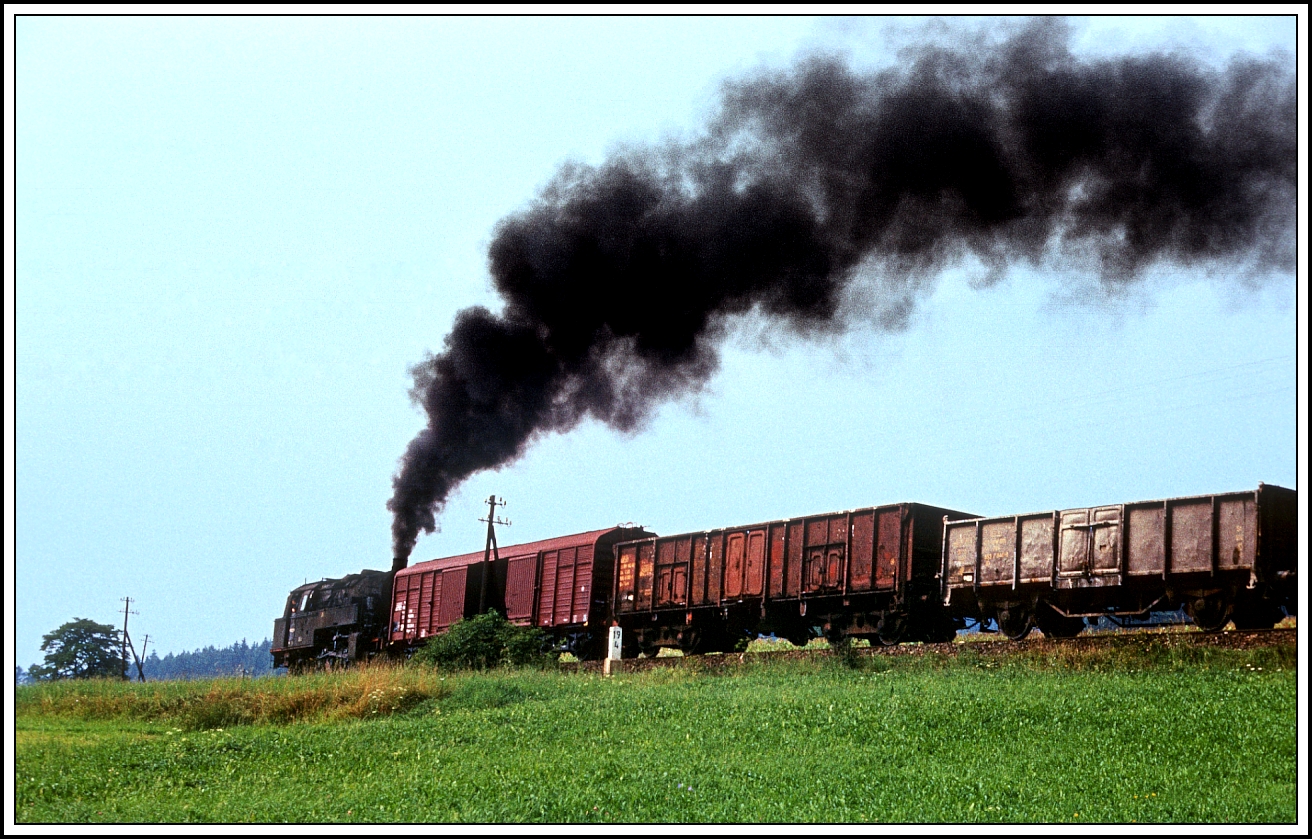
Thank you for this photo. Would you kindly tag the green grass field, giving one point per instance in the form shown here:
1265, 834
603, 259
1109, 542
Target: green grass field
1139, 733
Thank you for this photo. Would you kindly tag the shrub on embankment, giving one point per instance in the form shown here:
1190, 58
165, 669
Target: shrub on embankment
486, 641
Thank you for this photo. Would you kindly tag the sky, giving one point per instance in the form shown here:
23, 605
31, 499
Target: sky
234, 236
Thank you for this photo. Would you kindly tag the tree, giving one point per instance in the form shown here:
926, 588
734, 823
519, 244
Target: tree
80, 649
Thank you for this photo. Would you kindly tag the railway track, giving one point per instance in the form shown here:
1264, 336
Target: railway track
1000, 648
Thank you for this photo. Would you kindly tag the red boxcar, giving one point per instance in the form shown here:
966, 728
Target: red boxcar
560, 585
871, 572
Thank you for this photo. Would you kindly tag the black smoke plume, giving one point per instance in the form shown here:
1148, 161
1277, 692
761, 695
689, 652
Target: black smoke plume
618, 280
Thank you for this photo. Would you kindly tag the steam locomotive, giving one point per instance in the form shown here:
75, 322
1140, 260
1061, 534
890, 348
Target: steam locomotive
892, 573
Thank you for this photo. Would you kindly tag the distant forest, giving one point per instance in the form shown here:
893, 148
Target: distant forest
240, 658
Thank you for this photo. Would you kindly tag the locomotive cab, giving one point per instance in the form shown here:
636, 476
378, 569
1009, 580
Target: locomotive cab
333, 621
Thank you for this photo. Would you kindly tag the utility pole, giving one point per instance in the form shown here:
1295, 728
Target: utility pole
141, 673
490, 547
123, 653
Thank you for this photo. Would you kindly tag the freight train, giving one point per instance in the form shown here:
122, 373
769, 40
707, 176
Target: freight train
892, 573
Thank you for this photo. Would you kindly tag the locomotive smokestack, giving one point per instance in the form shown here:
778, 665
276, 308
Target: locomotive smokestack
618, 280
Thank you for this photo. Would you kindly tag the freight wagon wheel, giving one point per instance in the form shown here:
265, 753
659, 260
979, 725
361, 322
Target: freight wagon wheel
720, 640
939, 629
798, 638
941, 635
585, 648
1053, 624
1016, 622
1257, 613
1246, 621
692, 641
891, 630
1209, 613
628, 648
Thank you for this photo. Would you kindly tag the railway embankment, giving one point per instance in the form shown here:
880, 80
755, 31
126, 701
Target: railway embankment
1102, 649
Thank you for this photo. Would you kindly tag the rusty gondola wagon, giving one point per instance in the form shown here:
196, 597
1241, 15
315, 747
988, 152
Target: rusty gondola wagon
1219, 557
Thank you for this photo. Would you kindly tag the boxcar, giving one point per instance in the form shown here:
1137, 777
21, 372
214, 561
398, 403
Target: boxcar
560, 585
871, 572
1219, 557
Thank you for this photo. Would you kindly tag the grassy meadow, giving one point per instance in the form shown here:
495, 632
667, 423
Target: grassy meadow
1136, 732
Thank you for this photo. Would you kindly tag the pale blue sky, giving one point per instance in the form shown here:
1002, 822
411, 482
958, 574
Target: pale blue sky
234, 236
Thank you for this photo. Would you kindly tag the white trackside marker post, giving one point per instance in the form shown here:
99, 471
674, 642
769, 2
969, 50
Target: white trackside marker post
613, 651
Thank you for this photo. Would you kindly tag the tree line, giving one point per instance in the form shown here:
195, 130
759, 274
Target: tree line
83, 649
